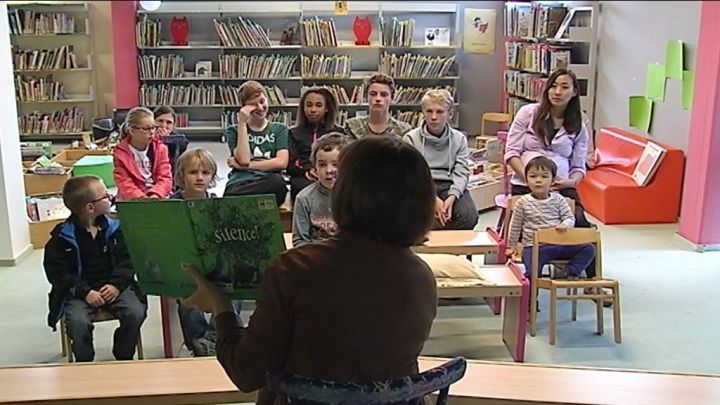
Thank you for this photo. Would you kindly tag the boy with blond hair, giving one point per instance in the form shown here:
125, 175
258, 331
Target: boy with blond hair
446, 151
88, 265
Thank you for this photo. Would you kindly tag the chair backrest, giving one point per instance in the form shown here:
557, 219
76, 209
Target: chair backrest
509, 212
498, 118
407, 390
573, 236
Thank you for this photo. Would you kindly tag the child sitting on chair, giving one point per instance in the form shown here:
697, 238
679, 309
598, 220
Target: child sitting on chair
196, 173
88, 265
312, 217
542, 209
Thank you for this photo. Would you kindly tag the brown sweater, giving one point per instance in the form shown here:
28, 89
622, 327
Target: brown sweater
346, 309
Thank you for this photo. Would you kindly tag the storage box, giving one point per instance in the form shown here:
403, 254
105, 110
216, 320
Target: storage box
39, 184
484, 195
70, 156
40, 232
101, 166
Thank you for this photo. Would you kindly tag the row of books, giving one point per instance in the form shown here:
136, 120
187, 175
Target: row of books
182, 120
60, 121
229, 118
45, 59
147, 31
38, 89
409, 65
241, 32
397, 32
26, 22
536, 20
413, 94
47, 207
161, 66
414, 118
317, 32
331, 66
257, 66
537, 58
167, 94
514, 104
527, 85
230, 95
341, 95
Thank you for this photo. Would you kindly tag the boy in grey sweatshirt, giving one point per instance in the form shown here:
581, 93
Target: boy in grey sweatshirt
446, 151
312, 214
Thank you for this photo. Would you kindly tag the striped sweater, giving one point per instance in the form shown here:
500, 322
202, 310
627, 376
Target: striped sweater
530, 214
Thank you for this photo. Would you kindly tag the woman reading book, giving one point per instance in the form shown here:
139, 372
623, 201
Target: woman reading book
552, 128
312, 315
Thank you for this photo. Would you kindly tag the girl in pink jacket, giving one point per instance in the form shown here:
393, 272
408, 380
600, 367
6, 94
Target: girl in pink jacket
142, 166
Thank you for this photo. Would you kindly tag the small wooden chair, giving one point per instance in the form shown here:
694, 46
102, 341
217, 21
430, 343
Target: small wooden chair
101, 316
497, 118
574, 236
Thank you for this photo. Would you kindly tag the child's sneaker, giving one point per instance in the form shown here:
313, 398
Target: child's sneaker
203, 346
559, 272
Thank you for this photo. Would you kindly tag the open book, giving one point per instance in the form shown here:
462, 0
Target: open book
650, 160
230, 240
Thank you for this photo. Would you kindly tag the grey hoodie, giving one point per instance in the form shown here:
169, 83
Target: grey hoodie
446, 155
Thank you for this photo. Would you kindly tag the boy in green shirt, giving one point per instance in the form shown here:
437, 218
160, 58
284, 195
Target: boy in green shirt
258, 148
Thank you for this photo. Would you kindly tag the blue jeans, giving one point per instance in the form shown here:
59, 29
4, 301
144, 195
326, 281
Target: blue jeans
579, 256
193, 322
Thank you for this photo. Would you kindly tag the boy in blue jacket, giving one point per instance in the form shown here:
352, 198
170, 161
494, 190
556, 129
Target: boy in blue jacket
88, 265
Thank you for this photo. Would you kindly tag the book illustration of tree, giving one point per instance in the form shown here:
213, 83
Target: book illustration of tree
152, 269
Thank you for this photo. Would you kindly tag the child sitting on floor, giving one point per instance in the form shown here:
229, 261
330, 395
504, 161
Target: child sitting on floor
88, 265
542, 209
312, 217
197, 172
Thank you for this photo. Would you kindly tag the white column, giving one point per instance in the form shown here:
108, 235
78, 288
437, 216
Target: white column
14, 232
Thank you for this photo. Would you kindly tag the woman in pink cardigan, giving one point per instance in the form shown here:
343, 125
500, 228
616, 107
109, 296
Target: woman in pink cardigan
142, 166
552, 128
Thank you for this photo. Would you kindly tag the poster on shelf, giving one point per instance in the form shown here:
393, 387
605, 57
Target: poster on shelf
439, 36
479, 31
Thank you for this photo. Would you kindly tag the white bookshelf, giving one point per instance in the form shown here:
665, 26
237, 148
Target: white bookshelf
204, 45
580, 36
79, 83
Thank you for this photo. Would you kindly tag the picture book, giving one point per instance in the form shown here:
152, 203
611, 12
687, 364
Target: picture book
647, 165
439, 36
230, 240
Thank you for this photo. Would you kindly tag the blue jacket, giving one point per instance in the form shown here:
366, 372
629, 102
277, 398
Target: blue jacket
63, 265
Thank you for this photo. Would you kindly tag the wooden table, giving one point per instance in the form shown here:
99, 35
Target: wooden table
458, 243
202, 380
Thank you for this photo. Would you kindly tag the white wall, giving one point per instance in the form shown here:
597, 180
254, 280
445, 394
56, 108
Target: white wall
633, 34
14, 233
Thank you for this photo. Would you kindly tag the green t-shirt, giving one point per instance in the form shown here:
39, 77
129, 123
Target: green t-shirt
264, 145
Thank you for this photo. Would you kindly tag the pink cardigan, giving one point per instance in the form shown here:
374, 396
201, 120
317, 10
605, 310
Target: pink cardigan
130, 183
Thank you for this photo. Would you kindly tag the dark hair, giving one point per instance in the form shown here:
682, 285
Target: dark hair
572, 119
541, 162
331, 105
76, 192
380, 78
328, 142
384, 191
162, 110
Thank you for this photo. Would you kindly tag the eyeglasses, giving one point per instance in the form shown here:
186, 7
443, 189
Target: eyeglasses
107, 196
145, 129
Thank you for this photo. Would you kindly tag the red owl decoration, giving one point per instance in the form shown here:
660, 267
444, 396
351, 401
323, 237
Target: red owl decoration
362, 28
180, 29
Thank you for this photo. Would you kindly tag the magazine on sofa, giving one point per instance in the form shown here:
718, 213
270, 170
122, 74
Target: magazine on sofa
230, 240
648, 163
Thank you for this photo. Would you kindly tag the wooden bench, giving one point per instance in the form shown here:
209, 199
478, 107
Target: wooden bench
202, 380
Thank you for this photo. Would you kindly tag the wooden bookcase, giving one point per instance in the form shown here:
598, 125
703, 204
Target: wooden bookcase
578, 35
204, 45
79, 83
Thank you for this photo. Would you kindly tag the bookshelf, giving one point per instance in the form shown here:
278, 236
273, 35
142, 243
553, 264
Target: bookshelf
351, 63
540, 37
53, 69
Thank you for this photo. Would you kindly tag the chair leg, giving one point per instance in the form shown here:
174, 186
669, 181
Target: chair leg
574, 304
600, 321
553, 313
141, 355
533, 310
616, 313
63, 337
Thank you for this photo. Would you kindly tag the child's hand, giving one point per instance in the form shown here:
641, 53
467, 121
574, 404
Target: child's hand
509, 253
94, 299
440, 211
448, 207
311, 175
109, 293
561, 228
244, 113
161, 132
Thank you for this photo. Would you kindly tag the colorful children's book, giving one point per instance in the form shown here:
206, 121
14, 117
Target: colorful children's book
230, 240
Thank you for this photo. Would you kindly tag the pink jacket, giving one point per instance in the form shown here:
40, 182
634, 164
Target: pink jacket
129, 181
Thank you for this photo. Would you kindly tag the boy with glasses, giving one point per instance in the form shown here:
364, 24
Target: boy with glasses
88, 265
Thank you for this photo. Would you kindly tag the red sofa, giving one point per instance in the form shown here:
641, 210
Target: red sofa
609, 193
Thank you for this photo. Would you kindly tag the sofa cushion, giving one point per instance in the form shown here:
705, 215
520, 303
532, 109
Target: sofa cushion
603, 178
